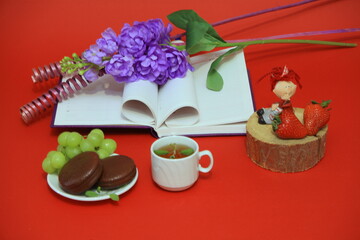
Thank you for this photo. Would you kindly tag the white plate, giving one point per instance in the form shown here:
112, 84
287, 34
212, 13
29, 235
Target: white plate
53, 181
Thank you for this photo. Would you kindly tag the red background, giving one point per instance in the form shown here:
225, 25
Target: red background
238, 200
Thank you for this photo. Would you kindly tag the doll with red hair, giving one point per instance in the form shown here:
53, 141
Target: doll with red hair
284, 83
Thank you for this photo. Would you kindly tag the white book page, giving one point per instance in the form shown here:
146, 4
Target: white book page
96, 104
233, 104
177, 103
140, 102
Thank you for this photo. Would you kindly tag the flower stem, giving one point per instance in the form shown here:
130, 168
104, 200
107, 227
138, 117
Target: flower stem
262, 12
300, 34
106, 58
251, 15
244, 44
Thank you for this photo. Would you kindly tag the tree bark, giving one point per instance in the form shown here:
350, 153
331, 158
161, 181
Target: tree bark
279, 155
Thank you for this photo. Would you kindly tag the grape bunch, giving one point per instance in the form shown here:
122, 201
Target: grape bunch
73, 143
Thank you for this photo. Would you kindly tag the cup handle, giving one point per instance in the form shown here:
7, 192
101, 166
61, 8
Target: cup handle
208, 168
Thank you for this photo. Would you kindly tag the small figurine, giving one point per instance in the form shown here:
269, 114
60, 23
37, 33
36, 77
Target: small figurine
288, 144
284, 82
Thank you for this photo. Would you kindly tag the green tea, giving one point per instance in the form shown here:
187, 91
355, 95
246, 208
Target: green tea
174, 151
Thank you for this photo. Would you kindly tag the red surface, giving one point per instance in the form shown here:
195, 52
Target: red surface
238, 200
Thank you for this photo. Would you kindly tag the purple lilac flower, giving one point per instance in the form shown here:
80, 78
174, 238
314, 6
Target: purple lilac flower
109, 47
94, 55
162, 78
91, 74
152, 65
121, 68
177, 62
134, 40
109, 34
160, 33
139, 52
109, 42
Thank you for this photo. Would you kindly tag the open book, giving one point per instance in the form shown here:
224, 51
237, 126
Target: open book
182, 106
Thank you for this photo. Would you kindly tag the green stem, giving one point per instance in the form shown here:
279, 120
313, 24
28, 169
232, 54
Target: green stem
244, 44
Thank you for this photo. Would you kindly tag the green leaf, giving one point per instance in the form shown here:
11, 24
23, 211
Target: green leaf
195, 31
181, 18
214, 80
161, 152
184, 18
91, 194
211, 32
179, 47
275, 123
314, 102
114, 197
187, 151
202, 45
197, 39
220, 58
325, 104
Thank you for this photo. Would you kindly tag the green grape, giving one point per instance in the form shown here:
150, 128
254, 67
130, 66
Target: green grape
74, 139
109, 145
61, 148
98, 131
102, 153
86, 145
47, 167
57, 160
51, 153
95, 139
62, 138
72, 151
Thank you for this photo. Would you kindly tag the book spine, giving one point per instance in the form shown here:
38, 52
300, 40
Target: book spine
44, 103
47, 72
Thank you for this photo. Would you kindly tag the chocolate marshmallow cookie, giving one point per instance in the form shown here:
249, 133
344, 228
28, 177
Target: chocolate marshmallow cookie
118, 170
80, 173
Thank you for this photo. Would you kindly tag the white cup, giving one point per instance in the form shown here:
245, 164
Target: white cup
180, 173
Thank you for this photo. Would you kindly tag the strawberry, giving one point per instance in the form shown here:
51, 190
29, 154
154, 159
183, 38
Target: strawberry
316, 116
287, 125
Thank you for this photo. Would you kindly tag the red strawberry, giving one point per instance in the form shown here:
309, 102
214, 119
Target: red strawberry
287, 125
316, 116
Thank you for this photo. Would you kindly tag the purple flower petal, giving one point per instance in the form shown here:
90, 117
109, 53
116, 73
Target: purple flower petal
91, 74
121, 68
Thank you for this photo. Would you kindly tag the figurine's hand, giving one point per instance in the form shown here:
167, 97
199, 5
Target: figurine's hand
274, 106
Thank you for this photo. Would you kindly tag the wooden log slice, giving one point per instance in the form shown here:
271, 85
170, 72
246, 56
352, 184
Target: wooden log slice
279, 155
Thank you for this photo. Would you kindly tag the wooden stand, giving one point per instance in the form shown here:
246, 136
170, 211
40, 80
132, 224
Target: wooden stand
278, 155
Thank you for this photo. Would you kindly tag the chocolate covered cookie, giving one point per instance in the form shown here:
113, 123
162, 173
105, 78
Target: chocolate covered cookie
118, 170
80, 173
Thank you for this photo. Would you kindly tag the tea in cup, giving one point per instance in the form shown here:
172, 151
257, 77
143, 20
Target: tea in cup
175, 162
